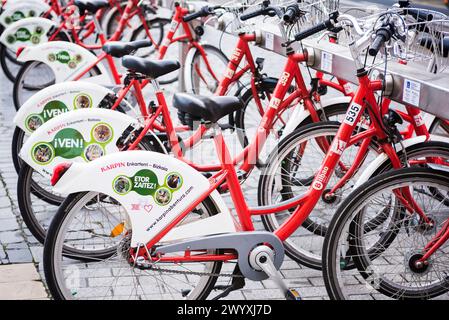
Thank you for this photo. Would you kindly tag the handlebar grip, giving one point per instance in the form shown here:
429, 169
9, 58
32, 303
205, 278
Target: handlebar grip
310, 32
252, 15
376, 45
328, 24
290, 14
382, 35
204, 12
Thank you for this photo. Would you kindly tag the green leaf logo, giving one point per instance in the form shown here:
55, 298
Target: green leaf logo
63, 57
16, 16
68, 143
53, 109
23, 34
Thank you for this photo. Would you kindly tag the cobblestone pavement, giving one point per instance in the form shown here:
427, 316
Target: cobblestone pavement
17, 245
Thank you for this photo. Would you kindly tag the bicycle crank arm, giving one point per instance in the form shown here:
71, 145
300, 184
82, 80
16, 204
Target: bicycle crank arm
242, 242
262, 258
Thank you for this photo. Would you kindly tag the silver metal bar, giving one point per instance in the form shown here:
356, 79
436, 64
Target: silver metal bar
410, 84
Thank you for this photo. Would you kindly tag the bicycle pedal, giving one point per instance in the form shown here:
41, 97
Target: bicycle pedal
292, 294
185, 292
221, 287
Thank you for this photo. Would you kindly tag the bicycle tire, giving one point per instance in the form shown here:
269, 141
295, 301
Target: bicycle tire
345, 215
51, 269
5, 59
190, 72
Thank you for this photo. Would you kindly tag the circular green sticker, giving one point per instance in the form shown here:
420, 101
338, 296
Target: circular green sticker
93, 151
35, 39
122, 185
82, 101
102, 133
42, 153
10, 39
162, 196
39, 30
174, 181
33, 122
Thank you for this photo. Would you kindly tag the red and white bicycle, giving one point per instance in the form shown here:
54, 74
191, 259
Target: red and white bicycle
157, 228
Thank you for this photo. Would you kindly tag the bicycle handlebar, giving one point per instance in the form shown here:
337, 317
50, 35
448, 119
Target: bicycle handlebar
268, 11
292, 12
328, 24
203, 12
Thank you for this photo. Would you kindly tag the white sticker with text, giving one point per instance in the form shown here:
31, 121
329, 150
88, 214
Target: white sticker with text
412, 92
269, 41
326, 61
352, 114
338, 146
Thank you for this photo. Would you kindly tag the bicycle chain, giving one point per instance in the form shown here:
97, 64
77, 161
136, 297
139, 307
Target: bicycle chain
196, 273
150, 267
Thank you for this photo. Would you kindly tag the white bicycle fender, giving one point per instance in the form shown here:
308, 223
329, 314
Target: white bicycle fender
301, 114
382, 158
75, 136
20, 10
10, 3
188, 69
57, 99
28, 32
153, 188
66, 59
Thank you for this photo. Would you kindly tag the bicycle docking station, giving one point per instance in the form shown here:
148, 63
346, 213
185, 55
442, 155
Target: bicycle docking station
404, 84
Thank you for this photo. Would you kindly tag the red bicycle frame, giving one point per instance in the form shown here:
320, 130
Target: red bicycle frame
131, 9
364, 99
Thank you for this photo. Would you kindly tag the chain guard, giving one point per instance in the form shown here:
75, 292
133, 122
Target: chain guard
242, 242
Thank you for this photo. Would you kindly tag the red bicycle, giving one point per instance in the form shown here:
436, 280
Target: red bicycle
8, 59
198, 261
34, 76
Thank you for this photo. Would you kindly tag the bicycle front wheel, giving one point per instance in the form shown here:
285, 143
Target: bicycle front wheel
205, 71
290, 171
385, 257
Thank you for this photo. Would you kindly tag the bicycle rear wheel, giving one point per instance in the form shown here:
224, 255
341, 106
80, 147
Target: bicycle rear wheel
38, 202
385, 256
113, 276
33, 77
9, 63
